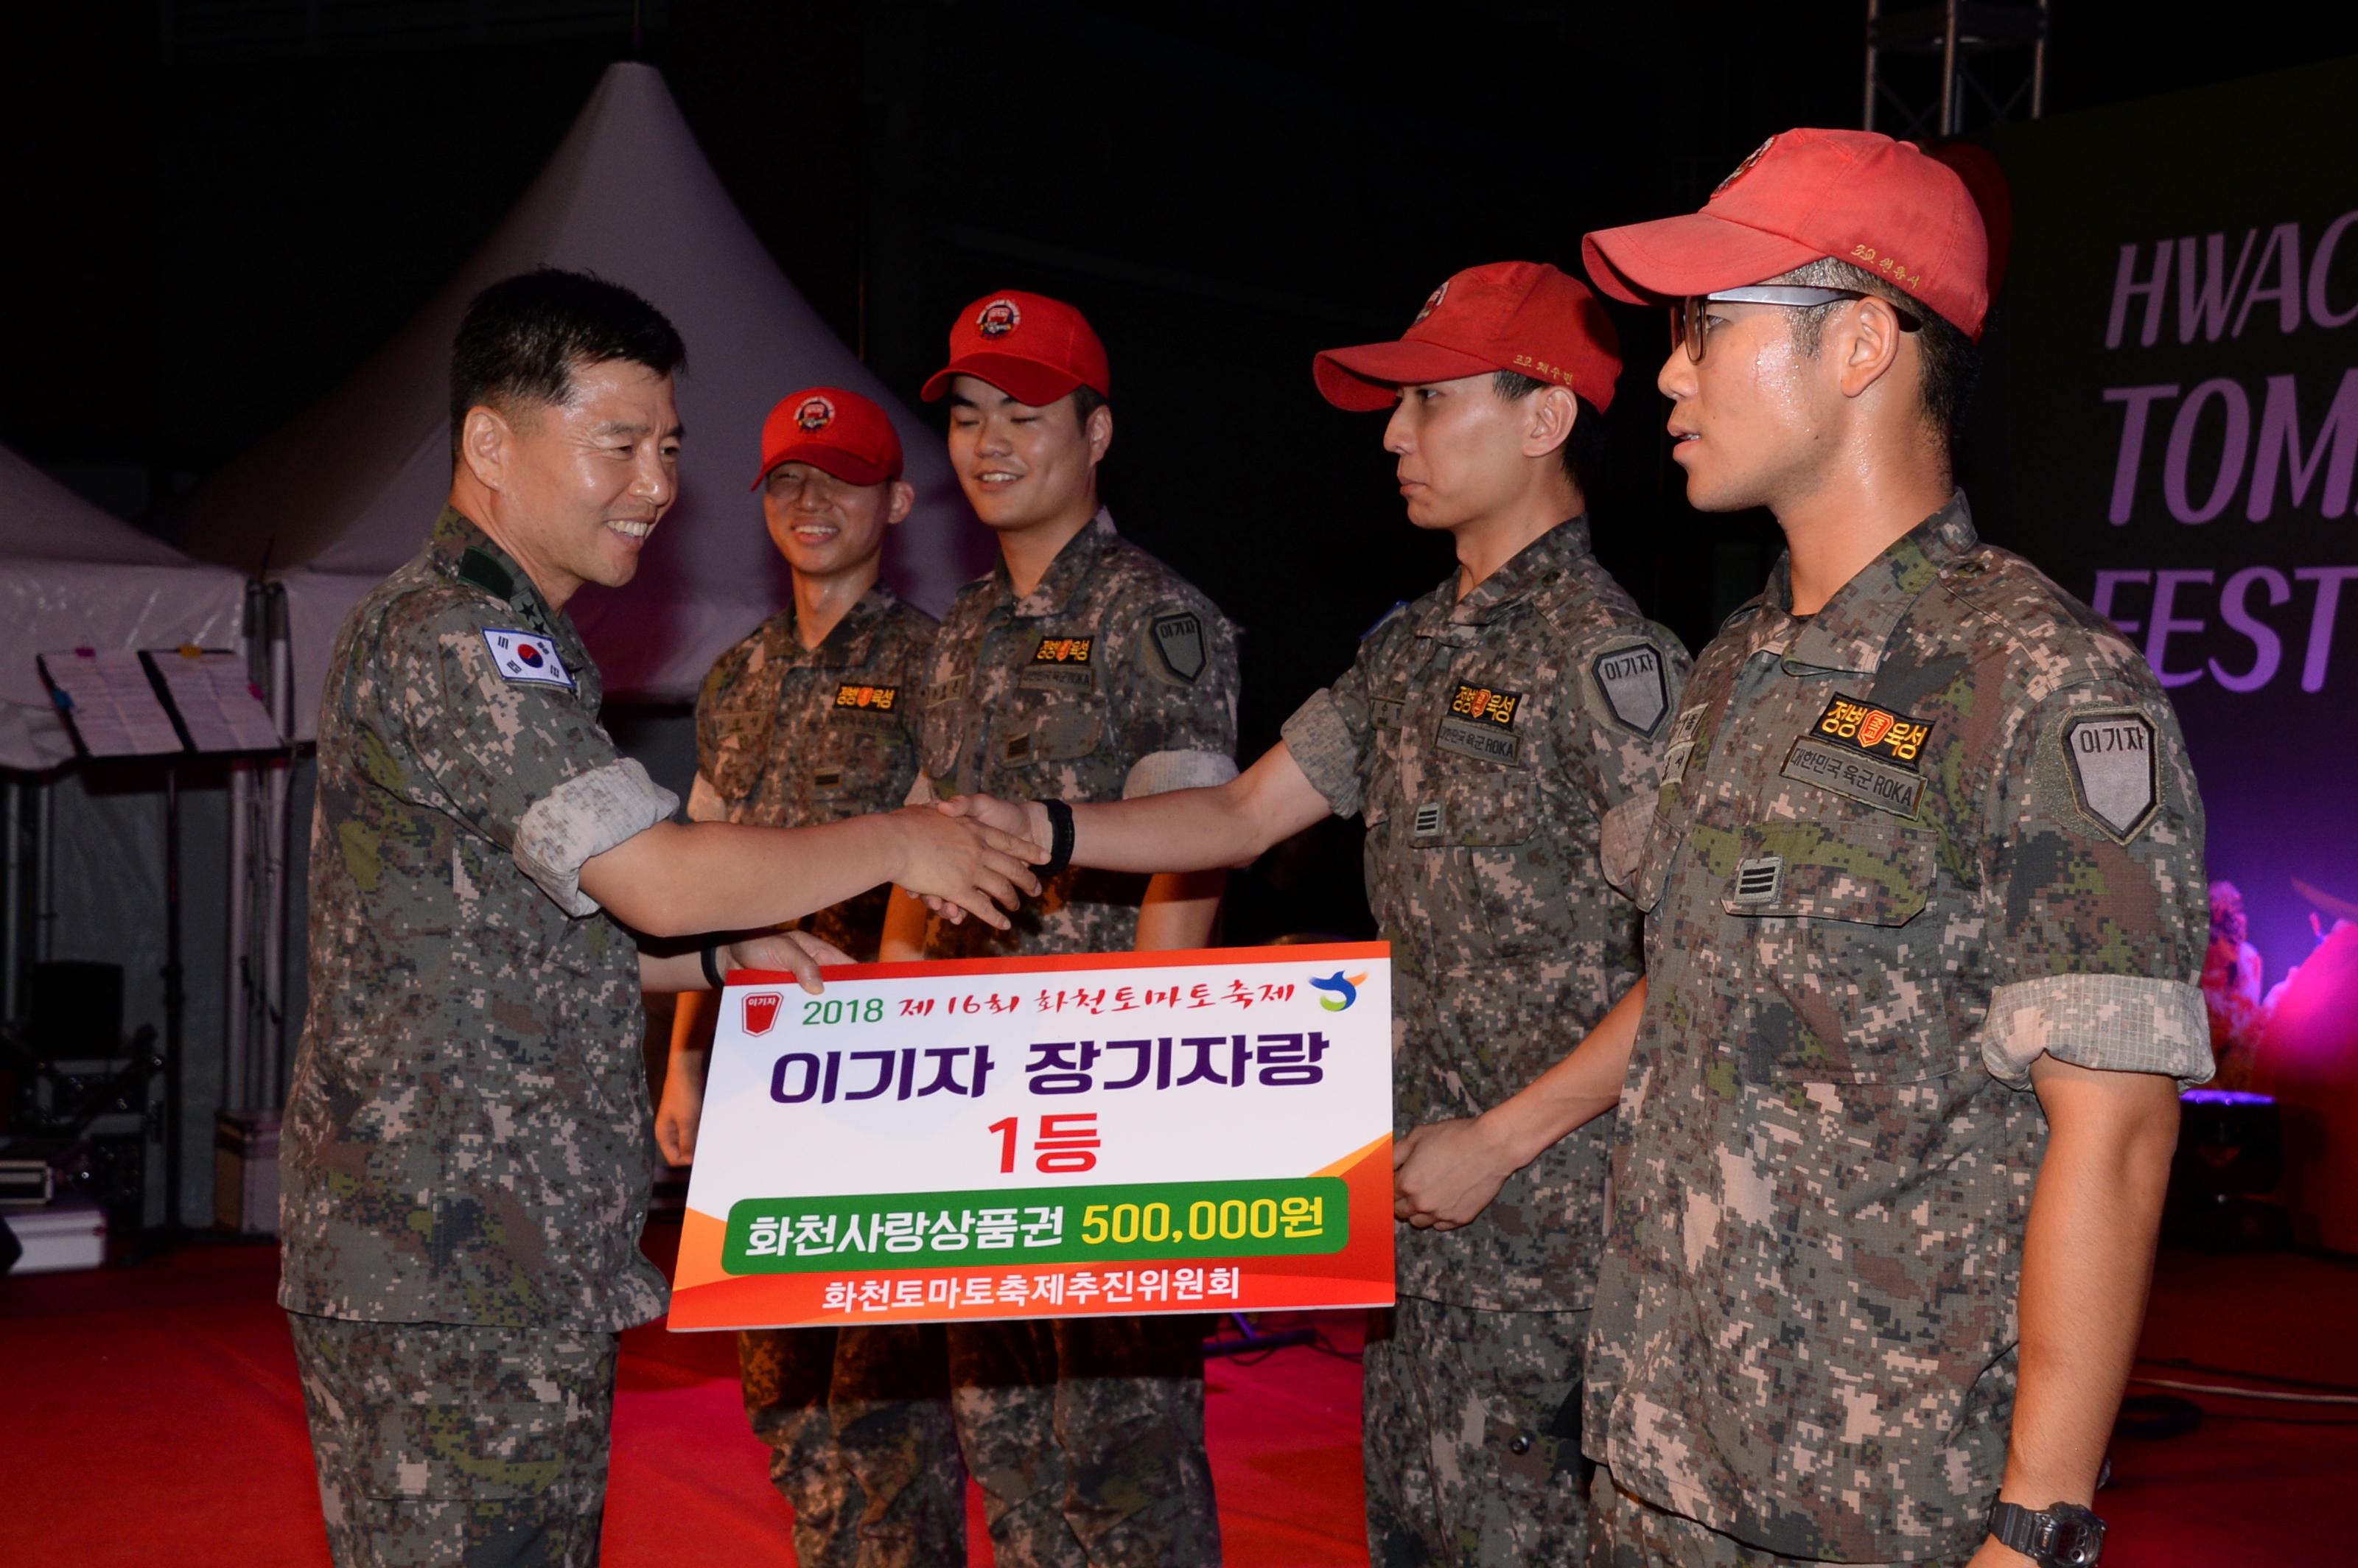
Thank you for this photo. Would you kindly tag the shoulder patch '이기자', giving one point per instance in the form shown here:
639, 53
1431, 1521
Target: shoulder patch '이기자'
1632, 685
527, 658
1179, 640
2116, 778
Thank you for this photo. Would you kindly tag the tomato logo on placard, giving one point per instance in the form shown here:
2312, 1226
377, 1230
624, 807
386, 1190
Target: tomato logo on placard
762, 1010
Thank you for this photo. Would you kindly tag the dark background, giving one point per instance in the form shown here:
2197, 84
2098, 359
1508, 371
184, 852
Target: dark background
222, 207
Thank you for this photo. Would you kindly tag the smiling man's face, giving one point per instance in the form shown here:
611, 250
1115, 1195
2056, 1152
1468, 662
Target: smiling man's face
1023, 467
824, 525
584, 482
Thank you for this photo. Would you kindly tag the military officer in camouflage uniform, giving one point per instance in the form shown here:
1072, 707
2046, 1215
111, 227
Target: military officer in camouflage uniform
810, 719
1925, 914
464, 1168
1081, 668
1501, 738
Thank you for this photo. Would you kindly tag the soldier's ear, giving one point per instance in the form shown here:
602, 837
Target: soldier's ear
486, 443
1550, 414
1099, 432
898, 501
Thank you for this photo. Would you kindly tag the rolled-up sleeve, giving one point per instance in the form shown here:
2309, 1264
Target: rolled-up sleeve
2095, 899
582, 818
523, 764
1328, 749
1160, 773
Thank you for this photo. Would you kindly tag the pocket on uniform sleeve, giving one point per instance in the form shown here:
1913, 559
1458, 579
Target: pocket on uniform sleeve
1850, 965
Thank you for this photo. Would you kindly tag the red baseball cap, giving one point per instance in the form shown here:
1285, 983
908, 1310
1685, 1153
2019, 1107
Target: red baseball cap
1855, 196
839, 432
1525, 317
1031, 347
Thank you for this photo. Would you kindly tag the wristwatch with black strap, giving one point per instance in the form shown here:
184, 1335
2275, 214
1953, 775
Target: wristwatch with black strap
2062, 1535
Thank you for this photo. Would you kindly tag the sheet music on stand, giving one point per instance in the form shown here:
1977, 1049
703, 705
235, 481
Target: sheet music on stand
122, 702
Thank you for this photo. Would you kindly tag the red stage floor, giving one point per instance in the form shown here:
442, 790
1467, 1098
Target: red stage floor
152, 1417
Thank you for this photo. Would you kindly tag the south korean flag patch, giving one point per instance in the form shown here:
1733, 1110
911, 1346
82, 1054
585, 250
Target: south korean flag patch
527, 658
2116, 775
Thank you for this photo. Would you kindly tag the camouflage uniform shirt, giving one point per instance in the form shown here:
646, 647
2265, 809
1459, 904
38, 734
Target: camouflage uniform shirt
794, 736
1113, 677
1903, 845
465, 1137
1502, 748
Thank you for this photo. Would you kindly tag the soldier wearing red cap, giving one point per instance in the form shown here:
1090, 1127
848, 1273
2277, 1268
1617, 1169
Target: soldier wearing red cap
1925, 918
1502, 738
1080, 669
810, 719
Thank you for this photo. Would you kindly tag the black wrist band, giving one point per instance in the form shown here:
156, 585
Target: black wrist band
1060, 840
711, 956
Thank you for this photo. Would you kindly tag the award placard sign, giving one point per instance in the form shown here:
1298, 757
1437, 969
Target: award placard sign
1057, 1137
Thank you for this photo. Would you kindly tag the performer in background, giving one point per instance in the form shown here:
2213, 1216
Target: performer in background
1924, 917
1501, 737
812, 719
464, 1166
1081, 668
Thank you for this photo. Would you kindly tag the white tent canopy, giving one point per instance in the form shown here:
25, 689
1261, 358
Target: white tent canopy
73, 576
347, 493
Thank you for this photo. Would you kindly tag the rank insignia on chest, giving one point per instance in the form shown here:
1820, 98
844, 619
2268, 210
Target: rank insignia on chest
1480, 723
527, 658
874, 699
1060, 661
1867, 752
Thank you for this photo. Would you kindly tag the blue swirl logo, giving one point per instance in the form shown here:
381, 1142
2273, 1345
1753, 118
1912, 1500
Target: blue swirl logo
1346, 990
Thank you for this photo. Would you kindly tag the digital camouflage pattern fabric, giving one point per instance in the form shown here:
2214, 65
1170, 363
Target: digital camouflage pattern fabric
1476, 1459
1902, 847
1627, 1533
1504, 749
467, 1129
1085, 1436
858, 1425
793, 737
465, 1444
1113, 677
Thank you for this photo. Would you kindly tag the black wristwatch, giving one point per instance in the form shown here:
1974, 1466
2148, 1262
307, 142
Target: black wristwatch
2062, 1535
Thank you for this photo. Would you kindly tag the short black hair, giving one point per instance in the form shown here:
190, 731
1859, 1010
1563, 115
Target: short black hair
1086, 400
522, 337
1583, 450
1951, 362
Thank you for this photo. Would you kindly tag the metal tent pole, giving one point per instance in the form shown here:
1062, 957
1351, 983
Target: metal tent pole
236, 983
16, 902
275, 827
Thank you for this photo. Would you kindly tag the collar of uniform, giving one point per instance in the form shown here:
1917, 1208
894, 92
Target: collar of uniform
1064, 575
1523, 574
1849, 632
846, 643
462, 551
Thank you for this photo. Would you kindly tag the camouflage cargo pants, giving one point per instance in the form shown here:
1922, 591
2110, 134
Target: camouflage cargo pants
1087, 1437
1472, 1437
458, 1443
1627, 1531
857, 1422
